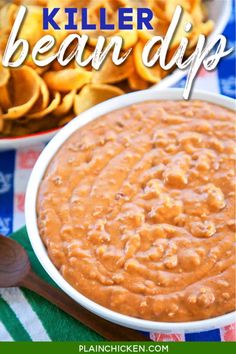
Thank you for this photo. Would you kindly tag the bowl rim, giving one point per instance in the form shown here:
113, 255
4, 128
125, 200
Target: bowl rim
168, 81
31, 215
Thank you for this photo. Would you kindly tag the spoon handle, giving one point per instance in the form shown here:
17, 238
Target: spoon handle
103, 327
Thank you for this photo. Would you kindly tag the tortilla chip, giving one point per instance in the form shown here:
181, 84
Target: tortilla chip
67, 80
136, 82
159, 29
170, 7
7, 17
32, 28
130, 38
5, 101
43, 100
204, 28
50, 109
111, 73
65, 105
64, 120
93, 94
24, 91
153, 74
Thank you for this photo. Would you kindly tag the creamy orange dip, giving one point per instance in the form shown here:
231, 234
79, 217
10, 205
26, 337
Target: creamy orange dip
137, 210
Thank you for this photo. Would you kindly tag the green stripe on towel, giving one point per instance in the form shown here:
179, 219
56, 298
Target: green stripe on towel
12, 324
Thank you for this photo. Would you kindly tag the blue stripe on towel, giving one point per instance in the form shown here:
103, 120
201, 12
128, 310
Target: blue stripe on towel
209, 336
226, 67
7, 165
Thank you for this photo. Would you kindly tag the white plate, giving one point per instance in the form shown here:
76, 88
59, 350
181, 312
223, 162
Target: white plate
218, 10
31, 217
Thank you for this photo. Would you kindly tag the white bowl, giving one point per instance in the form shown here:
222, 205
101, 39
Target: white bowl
31, 217
219, 11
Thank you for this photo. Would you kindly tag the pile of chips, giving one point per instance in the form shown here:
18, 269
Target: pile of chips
34, 99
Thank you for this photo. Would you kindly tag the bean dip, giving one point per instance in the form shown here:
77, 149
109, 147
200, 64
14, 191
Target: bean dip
137, 210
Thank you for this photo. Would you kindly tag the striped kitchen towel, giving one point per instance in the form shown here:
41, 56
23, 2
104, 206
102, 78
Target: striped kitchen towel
25, 316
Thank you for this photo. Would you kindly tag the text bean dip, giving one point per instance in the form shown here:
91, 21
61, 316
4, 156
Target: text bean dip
137, 210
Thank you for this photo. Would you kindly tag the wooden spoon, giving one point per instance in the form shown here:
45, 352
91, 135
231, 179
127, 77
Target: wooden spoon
15, 270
